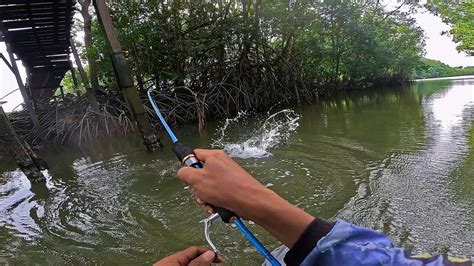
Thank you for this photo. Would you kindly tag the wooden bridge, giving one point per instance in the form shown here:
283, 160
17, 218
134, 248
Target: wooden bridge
38, 32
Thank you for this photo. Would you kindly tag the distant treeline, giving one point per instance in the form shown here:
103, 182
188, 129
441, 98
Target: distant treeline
427, 68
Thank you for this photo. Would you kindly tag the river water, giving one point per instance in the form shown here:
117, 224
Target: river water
396, 160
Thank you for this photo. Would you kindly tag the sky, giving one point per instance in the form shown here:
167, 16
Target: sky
8, 82
438, 47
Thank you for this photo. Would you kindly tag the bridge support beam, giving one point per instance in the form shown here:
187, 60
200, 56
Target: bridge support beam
124, 77
24, 156
21, 86
74, 79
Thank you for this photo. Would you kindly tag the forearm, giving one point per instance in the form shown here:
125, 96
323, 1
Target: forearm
222, 182
283, 220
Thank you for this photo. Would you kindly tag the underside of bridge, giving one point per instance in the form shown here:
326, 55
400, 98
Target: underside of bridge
38, 32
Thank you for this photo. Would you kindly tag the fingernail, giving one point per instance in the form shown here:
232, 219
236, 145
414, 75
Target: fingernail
209, 256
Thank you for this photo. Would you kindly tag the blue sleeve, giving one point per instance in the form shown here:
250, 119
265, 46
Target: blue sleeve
348, 244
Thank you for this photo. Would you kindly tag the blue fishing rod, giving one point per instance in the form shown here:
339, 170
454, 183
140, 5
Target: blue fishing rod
186, 156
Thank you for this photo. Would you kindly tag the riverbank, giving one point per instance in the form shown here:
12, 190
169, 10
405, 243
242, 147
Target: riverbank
212, 60
70, 121
467, 77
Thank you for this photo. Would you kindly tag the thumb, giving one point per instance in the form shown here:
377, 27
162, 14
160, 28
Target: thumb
205, 259
189, 175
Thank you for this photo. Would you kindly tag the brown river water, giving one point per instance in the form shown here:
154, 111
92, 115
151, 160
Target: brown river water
396, 160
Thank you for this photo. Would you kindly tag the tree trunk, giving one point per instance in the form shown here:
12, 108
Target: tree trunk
94, 81
139, 78
180, 60
246, 38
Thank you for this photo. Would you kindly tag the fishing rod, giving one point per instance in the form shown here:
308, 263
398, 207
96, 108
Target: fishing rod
186, 156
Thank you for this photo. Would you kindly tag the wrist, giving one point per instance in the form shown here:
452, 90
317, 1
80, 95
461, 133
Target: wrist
279, 217
252, 204
266, 205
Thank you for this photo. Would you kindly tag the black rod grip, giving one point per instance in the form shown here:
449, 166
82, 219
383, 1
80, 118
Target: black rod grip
187, 157
182, 151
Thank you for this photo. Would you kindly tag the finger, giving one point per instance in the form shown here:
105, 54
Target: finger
203, 154
189, 254
208, 209
204, 259
200, 201
188, 175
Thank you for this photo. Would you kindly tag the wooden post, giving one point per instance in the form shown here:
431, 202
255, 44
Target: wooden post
74, 79
28, 78
21, 86
124, 77
24, 156
61, 89
90, 91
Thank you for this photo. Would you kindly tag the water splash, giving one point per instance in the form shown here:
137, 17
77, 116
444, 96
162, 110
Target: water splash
256, 142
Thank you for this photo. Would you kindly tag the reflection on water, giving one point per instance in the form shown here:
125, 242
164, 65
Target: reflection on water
15, 211
413, 192
396, 160
448, 109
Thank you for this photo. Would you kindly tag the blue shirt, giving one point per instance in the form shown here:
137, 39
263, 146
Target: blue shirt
348, 244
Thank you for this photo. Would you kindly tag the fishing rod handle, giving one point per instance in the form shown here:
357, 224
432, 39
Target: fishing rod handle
187, 157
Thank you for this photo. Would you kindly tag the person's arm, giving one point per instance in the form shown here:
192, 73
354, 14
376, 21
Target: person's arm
312, 241
222, 182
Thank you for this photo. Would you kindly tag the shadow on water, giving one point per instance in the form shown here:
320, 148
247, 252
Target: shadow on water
398, 160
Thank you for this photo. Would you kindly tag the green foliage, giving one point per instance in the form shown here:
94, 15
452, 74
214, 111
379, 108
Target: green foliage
69, 86
251, 54
68, 83
461, 18
428, 68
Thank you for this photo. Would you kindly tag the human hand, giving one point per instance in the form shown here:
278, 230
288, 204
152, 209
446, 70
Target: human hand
224, 183
194, 256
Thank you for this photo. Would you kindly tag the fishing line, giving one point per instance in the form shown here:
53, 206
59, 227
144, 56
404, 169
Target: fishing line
187, 157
